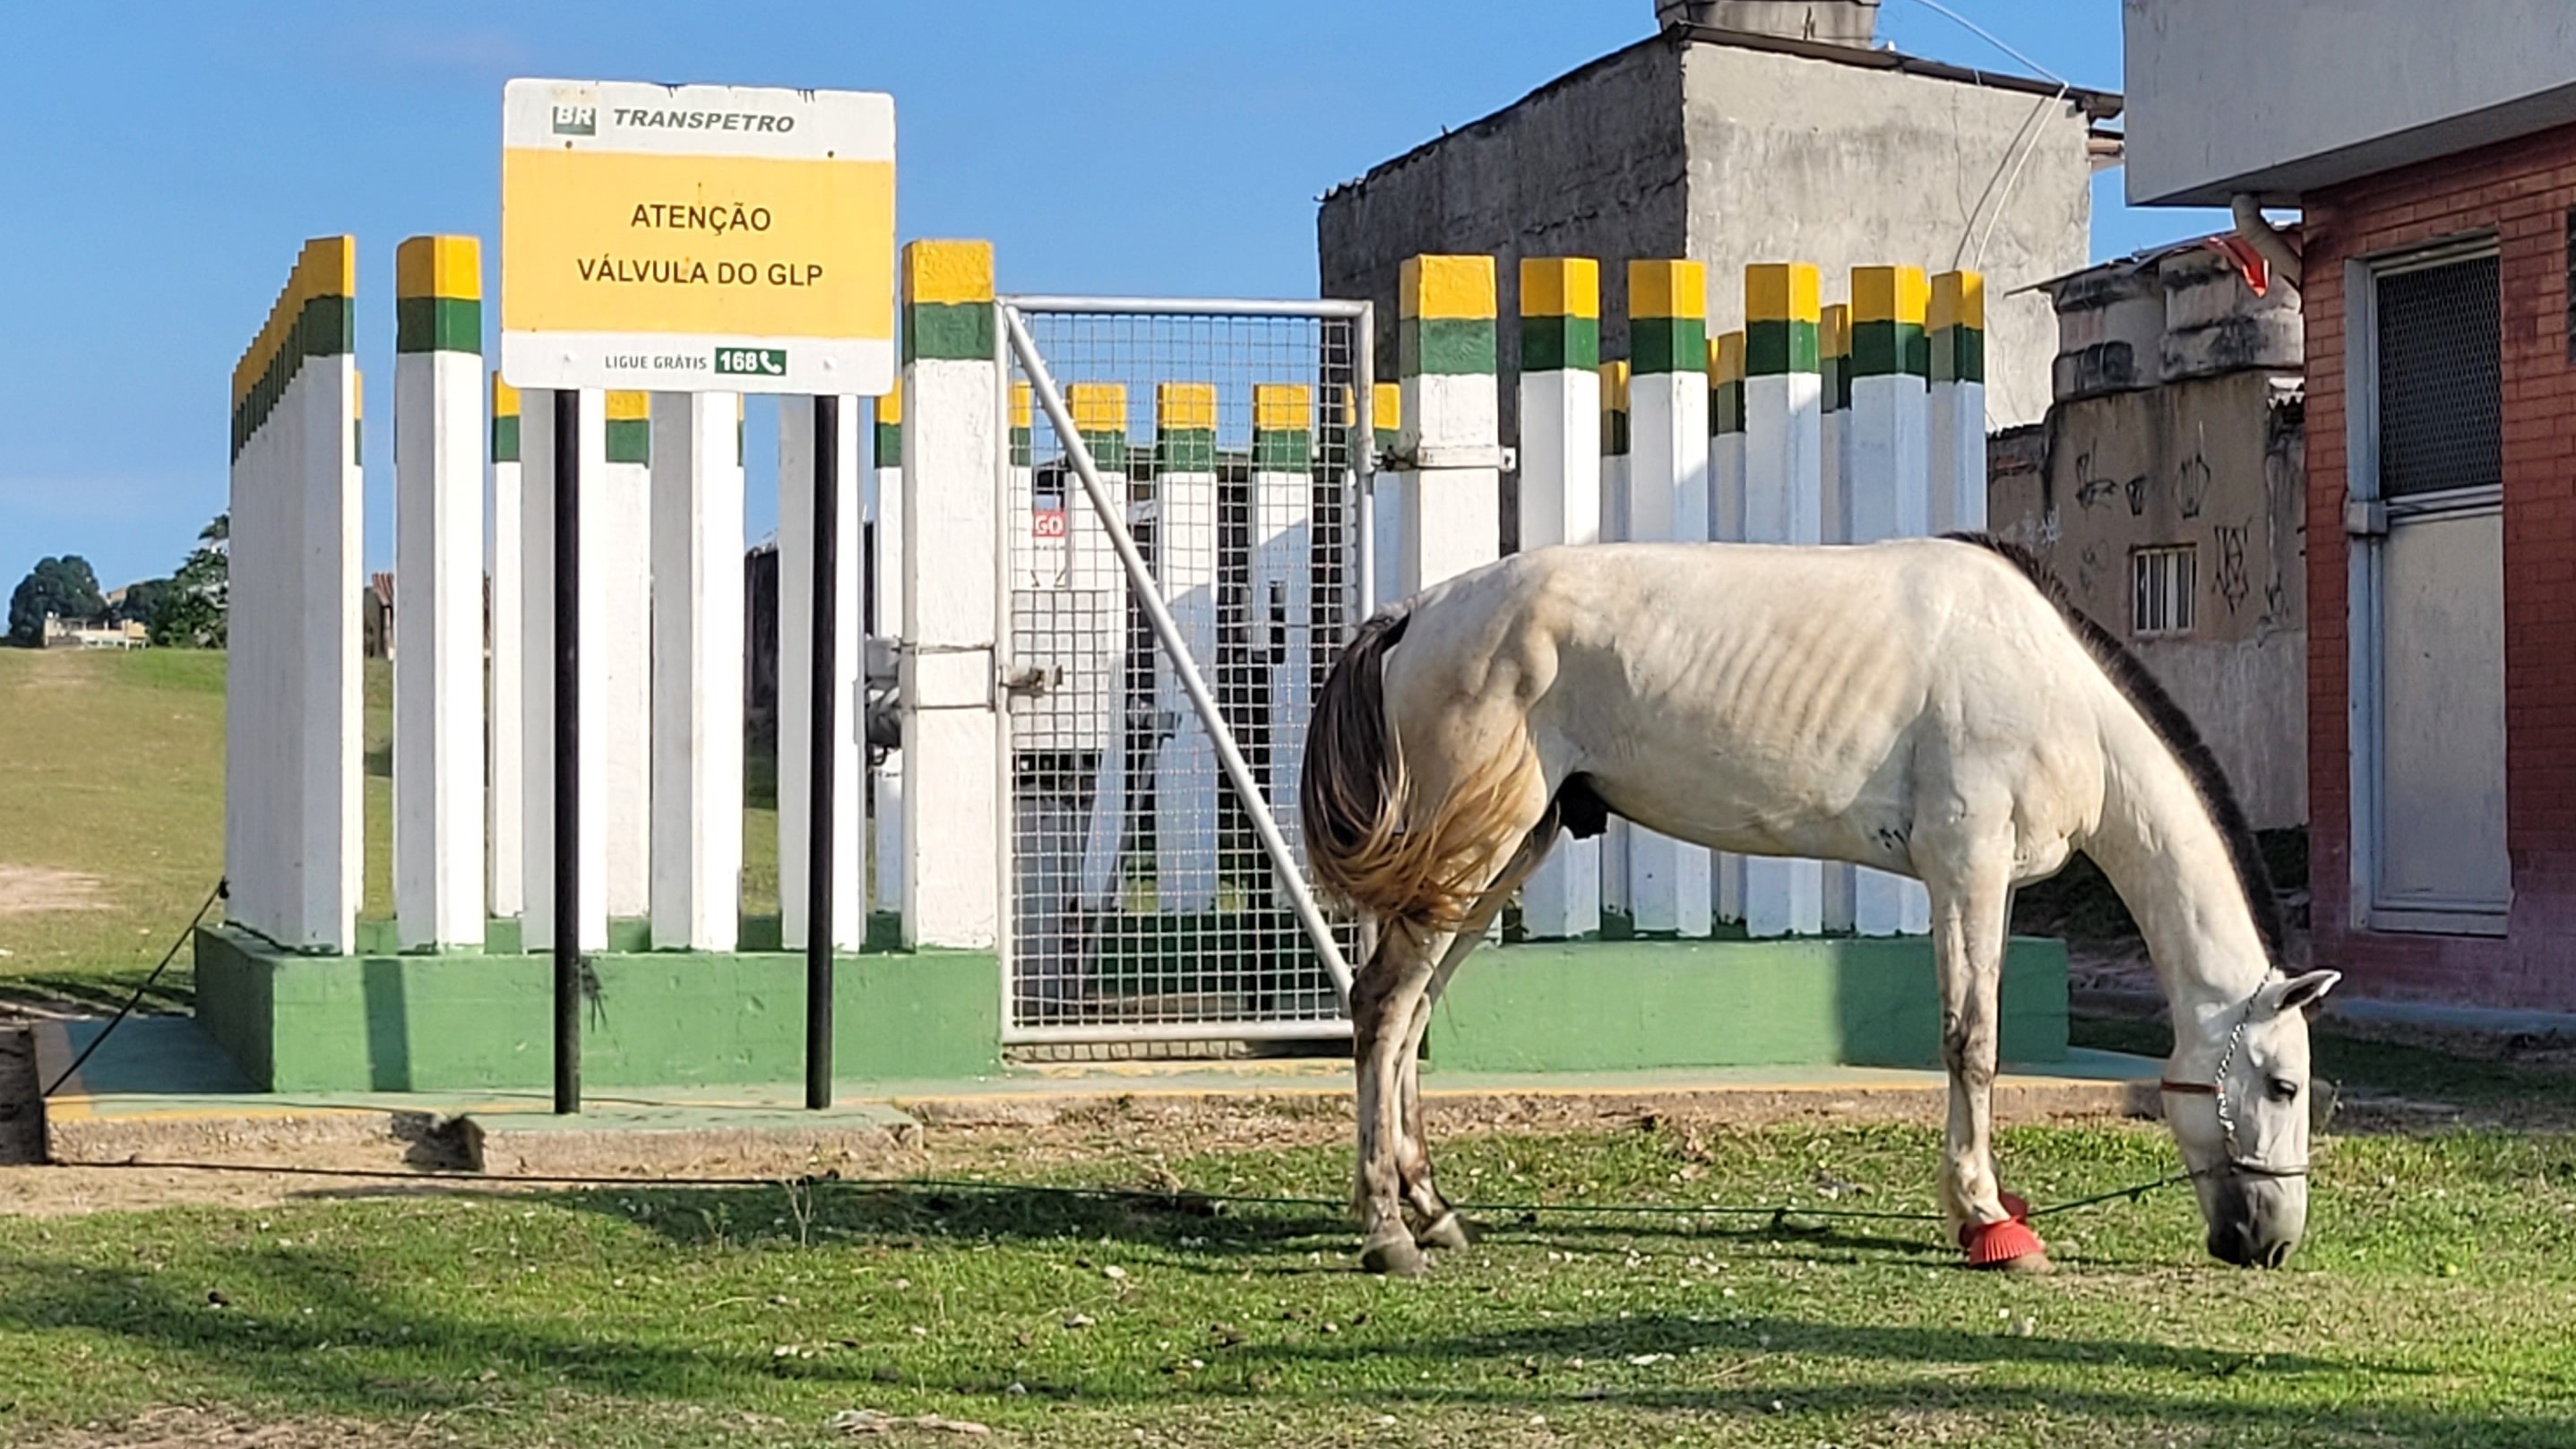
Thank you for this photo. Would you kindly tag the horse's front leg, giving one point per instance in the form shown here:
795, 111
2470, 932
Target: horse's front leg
1970, 919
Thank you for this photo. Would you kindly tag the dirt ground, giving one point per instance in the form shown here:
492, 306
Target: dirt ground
28, 889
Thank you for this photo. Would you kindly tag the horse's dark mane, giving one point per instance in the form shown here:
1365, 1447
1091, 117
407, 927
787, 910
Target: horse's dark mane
2172, 725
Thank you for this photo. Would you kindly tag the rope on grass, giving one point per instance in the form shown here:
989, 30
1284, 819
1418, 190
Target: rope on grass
1778, 1214
222, 888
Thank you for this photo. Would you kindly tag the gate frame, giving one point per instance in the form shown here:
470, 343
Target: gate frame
1012, 342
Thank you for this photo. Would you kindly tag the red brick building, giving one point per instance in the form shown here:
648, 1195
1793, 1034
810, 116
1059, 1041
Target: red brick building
2434, 163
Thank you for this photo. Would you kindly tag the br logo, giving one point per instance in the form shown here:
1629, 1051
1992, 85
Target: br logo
576, 120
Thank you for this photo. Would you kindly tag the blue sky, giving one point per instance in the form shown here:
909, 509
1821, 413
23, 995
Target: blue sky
166, 160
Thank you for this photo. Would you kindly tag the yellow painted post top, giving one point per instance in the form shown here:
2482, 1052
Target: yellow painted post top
326, 267
1282, 407
630, 407
1560, 287
1833, 331
1386, 407
889, 406
1098, 407
1020, 412
944, 272
1781, 292
1441, 287
357, 393
1614, 386
1668, 289
1726, 358
1958, 300
439, 266
1185, 407
505, 398
1889, 294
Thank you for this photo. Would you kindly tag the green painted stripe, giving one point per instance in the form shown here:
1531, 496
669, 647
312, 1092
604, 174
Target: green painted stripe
1776, 348
1283, 450
1959, 354
889, 445
1560, 344
1185, 450
327, 327
1021, 441
1667, 344
1109, 450
1386, 439
438, 324
630, 440
1726, 408
505, 440
1884, 349
1445, 346
948, 332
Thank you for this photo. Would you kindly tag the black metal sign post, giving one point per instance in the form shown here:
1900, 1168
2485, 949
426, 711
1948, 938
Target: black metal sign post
823, 715
567, 842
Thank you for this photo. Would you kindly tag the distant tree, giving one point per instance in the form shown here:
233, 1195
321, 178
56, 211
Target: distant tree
142, 600
63, 586
193, 611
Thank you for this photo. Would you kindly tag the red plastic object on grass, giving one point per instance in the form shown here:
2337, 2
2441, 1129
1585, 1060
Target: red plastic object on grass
1990, 1244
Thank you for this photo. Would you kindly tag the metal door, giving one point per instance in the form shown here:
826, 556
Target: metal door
1143, 903
2428, 603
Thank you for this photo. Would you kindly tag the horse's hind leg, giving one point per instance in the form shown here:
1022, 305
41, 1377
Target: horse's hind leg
1439, 1224
1384, 998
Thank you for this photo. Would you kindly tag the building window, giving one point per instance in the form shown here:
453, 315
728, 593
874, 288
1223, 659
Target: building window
2441, 388
2162, 582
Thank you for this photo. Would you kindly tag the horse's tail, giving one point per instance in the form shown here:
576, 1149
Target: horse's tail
1355, 792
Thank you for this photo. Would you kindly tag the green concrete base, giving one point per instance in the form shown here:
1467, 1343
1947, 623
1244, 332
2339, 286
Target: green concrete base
483, 1021
1647, 1004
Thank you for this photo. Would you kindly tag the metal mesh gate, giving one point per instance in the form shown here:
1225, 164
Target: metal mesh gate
1142, 903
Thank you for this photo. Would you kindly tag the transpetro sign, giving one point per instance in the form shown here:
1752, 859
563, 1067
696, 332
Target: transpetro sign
696, 238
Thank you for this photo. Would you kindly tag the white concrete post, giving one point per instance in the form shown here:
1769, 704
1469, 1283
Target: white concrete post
1957, 324
506, 685
1283, 597
617, 553
1450, 432
1889, 494
537, 676
1560, 457
796, 674
1185, 555
1617, 838
1668, 879
697, 638
952, 459
1783, 494
1386, 497
291, 685
1094, 593
885, 572
438, 593
1726, 525
1834, 349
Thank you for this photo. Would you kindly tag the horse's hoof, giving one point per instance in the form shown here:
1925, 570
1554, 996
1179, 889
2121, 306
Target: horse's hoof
2009, 1245
1447, 1231
1393, 1255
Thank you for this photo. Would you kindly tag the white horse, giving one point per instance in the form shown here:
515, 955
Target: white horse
1932, 707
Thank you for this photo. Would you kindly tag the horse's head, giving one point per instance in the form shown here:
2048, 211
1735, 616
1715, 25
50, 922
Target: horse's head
2237, 1096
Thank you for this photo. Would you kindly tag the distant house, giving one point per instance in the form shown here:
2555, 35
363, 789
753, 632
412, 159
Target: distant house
62, 633
2166, 486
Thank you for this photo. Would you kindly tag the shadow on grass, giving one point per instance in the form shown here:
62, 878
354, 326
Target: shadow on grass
102, 992
295, 1327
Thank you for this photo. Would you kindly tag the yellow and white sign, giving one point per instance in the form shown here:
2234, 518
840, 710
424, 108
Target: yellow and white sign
696, 238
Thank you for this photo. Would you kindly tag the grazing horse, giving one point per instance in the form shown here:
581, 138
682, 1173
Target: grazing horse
1931, 707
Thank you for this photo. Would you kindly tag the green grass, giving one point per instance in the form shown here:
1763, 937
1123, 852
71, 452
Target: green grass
2430, 1307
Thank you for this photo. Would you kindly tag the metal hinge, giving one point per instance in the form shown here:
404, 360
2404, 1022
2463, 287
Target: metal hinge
1423, 459
2365, 518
